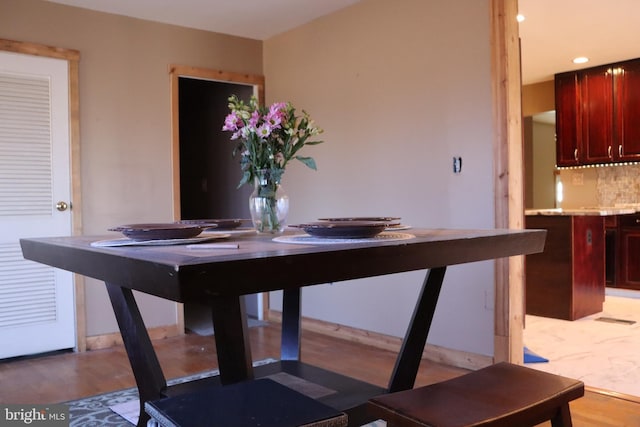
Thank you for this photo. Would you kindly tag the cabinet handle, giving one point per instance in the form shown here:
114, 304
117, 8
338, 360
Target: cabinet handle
620, 150
609, 152
637, 221
575, 154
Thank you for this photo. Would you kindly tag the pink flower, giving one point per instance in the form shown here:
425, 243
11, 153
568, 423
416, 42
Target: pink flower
264, 130
274, 119
255, 118
276, 114
232, 122
278, 107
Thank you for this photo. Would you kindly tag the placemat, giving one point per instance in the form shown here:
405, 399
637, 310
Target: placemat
386, 236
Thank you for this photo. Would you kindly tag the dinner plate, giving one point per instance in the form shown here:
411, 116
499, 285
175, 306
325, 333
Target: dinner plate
218, 224
158, 231
390, 220
343, 229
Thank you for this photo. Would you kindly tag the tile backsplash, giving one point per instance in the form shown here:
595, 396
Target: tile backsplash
616, 185
602, 186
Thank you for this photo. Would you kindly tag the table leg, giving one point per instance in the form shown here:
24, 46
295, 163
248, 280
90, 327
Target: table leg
232, 339
408, 361
142, 356
290, 344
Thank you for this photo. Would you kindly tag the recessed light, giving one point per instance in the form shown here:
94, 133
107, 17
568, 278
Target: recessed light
520, 17
580, 60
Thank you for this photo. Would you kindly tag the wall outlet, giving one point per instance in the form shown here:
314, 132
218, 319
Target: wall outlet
457, 164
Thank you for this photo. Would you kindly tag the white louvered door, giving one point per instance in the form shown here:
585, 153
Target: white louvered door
36, 301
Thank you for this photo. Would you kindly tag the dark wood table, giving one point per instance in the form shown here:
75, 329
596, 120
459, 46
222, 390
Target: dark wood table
221, 277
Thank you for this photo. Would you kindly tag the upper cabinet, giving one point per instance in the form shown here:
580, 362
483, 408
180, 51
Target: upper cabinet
627, 111
568, 134
595, 112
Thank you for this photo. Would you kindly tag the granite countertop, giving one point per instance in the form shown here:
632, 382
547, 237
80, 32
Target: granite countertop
595, 211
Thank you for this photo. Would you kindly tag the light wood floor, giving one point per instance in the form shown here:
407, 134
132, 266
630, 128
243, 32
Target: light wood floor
67, 376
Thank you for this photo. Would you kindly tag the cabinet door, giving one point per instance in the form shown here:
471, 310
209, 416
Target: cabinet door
596, 89
629, 272
567, 98
627, 111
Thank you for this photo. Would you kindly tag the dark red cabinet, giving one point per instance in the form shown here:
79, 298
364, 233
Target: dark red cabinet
568, 122
597, 111
628, 276
567, 280
596, 96
627, 111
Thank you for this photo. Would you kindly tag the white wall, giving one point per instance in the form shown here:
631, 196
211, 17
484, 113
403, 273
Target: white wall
400, 88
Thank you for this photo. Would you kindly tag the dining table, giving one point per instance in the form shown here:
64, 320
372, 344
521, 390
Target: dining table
220, 277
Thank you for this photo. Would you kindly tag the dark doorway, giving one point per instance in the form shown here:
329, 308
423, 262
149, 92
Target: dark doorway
209, 175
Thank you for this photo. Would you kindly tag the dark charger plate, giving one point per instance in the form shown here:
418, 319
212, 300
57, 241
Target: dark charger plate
392, 221
158, 231
219, 224
343, 229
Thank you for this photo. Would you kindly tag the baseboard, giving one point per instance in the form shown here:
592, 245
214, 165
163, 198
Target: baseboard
99, 342
434, 353
613, 394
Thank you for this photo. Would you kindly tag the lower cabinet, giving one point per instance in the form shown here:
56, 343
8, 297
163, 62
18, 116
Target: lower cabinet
628, 271
567, 280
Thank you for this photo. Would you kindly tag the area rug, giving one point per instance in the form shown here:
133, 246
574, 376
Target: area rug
120, 408
96, 411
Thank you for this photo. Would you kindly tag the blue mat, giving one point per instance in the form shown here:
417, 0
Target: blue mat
531, 357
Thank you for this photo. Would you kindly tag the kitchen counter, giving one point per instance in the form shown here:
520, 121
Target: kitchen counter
590, 211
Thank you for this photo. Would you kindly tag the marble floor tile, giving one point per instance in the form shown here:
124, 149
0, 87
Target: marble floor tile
601, 354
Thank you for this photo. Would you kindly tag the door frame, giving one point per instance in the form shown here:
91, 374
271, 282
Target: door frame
176, 71
509, 308
73, 58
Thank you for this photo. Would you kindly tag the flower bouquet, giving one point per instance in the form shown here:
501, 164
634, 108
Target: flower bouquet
268, 138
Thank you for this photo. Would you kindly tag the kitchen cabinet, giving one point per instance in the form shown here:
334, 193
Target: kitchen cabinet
628, 274
567, 119
596, 102
567, 280
627, 111
611, 249
595, 113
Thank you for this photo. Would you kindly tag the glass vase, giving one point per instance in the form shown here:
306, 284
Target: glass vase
268, 204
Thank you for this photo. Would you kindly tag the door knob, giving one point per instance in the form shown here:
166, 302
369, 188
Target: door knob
62, 206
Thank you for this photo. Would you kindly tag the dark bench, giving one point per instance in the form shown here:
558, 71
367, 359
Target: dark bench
500, 395
261, 402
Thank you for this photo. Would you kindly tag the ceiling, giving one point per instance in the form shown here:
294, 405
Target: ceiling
556, 31
553, 33
255, 19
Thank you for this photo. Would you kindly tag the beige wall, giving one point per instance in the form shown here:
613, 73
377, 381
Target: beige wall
124, 115
538, 98
544, 161
400, 87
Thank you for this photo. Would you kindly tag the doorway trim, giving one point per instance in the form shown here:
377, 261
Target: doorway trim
508, 177
176, 71
73, 58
